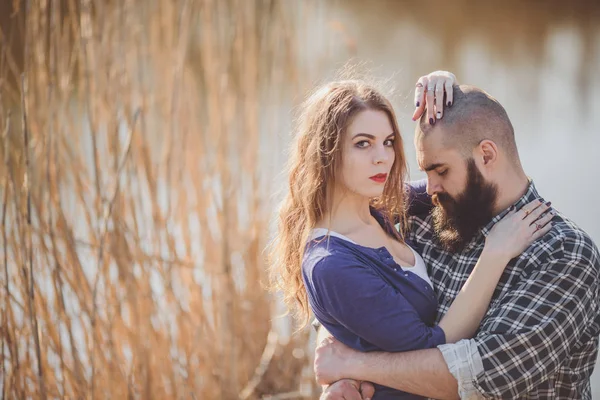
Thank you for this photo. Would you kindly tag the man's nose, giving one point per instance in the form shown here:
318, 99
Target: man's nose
433, 187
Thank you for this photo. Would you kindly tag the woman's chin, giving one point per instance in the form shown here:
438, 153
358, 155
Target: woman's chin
367, 192
374, 194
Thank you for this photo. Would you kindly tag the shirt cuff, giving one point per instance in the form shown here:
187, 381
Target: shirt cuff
464, 363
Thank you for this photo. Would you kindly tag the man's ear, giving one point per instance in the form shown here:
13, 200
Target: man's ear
488, 151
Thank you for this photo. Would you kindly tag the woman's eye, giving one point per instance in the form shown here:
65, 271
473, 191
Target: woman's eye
362, 144
389, 142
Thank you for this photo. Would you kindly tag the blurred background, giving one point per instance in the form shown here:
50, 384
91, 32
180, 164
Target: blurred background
141, 148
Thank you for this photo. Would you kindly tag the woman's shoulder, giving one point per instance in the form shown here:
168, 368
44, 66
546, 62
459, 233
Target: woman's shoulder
330, 252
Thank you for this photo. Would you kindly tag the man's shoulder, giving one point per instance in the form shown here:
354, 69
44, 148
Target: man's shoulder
572, 237
571, 244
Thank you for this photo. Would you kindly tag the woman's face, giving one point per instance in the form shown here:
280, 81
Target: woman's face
367, 153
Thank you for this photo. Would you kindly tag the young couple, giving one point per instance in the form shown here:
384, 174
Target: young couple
466, 285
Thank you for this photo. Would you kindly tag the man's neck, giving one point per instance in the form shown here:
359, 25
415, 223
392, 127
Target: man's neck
511, 187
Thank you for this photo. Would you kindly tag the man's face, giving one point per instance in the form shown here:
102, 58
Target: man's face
464, 200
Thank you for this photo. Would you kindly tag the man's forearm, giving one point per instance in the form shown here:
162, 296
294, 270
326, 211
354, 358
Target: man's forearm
422, 372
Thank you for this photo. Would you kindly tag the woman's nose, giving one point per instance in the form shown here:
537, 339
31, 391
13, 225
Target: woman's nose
380, 155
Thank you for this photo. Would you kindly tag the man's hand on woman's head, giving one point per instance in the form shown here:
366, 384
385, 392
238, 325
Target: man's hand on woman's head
429, 93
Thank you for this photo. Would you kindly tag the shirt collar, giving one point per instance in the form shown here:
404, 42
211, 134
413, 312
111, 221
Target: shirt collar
530, 195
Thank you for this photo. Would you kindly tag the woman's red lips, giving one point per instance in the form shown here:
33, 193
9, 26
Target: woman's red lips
379, 178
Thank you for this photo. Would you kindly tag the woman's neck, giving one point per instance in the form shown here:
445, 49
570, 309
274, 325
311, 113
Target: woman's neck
349, 212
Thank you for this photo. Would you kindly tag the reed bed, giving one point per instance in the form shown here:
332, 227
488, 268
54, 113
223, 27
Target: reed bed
135, 201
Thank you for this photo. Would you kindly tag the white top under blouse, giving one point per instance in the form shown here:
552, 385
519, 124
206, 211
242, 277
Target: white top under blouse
418, 269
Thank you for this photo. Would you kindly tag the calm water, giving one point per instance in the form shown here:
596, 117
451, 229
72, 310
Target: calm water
541, 63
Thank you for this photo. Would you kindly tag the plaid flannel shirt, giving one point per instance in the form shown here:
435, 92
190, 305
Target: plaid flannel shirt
539, 338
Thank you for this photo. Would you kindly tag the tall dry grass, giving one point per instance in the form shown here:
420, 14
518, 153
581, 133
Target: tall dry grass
134, 202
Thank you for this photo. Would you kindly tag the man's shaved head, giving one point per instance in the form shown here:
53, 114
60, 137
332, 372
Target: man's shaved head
474, 116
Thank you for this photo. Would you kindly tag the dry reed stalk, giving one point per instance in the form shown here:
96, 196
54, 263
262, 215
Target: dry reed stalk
137, 183
5, 337
30, 280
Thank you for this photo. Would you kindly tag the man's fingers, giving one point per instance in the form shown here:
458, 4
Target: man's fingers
352, 395
345, 389
420, 97
367, 390
350, 389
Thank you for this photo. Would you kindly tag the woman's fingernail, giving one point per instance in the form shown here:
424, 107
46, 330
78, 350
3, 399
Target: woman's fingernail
512, 208
418, 103
430, 121
548, 203
439, 115
449, 103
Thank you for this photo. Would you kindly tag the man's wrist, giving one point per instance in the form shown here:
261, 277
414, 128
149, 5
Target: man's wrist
358, 366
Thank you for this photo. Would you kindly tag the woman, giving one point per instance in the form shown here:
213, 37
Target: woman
337, 253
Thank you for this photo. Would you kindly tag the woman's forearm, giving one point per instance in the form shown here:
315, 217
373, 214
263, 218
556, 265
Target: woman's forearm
468, 309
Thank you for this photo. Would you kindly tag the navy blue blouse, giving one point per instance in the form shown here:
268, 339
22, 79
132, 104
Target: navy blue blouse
366, 301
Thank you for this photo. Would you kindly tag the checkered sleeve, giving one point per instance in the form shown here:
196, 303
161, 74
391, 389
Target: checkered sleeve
535, 327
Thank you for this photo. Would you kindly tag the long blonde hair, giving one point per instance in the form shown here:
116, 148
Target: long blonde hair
312, 165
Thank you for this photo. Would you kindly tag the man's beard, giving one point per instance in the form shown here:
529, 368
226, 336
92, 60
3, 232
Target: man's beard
457, 220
